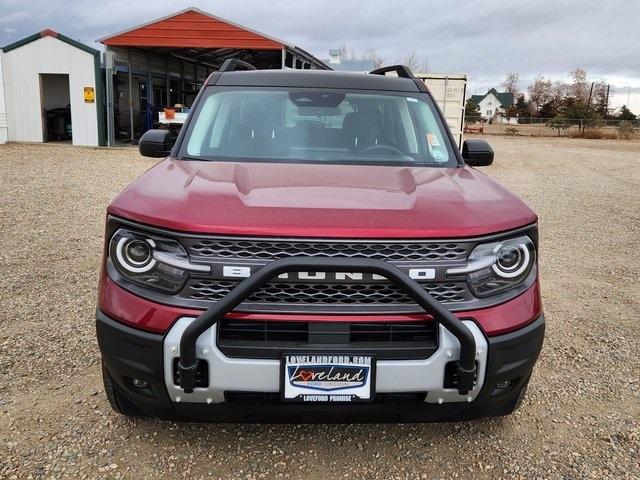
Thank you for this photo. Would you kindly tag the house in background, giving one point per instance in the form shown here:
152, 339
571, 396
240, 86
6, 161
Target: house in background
493, 103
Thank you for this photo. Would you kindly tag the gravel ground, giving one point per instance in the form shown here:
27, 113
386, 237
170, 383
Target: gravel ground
581, 418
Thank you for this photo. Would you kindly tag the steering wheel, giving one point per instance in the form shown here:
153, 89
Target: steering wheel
380, 148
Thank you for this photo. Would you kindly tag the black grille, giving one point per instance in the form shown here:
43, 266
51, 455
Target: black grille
261, 249
398, 340
292, 295
264, 331
326, 293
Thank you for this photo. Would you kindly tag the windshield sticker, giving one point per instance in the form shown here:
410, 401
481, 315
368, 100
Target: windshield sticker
433, 140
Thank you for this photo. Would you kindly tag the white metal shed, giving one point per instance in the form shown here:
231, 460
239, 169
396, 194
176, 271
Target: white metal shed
52, 90
3, 110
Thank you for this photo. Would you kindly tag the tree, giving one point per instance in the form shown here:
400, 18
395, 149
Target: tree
471, 111
600, 100
626, 114
540, 92
579, 88
548, 110
511, 82
510, 112
560, 123
580, 113
415, 63
626, 130
371, 54
559, 90
523, 108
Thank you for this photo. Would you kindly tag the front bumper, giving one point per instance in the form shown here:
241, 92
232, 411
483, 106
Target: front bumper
130, 354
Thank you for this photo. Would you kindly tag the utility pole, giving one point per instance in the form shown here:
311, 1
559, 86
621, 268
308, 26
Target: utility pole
606, 108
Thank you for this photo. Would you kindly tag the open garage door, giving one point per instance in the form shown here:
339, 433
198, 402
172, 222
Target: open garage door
56, 107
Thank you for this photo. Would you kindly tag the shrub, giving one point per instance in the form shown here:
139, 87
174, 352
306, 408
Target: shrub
559, 123
594, 134
625, 130
511, 131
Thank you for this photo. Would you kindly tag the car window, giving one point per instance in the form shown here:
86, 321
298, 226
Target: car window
317, 125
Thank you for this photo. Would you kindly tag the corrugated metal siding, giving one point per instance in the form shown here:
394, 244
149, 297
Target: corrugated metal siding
192, 29
3, 110
22, 67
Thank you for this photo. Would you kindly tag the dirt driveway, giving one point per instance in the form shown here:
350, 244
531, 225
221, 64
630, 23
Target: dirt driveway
581, 418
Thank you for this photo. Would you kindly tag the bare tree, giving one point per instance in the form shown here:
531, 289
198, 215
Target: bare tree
511, 83
558, 91
410, 59
345, 53
579, 87
540, 92
376, 60
414, 62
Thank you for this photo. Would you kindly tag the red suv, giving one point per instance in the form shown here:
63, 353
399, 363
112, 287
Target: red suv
314, 247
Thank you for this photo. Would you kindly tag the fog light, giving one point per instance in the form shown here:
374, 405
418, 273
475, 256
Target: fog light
140, 383
503, 385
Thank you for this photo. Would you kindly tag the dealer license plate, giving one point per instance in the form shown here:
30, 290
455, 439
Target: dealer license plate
327, 377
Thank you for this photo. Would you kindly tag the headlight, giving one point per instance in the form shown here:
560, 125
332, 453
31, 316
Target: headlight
498, 266
151, 261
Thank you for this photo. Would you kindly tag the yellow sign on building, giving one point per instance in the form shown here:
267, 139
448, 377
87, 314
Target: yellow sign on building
89, 95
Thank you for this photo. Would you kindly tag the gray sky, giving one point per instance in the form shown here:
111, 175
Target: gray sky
483, 39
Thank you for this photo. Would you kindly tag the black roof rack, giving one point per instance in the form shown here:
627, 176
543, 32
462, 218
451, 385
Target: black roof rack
231, 64
401, 70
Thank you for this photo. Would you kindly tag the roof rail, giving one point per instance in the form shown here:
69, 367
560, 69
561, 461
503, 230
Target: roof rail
231, 64
401, 70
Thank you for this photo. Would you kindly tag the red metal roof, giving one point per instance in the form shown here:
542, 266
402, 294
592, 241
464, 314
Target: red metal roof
193, 28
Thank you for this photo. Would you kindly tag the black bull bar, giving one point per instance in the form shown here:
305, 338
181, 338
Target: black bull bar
188, 364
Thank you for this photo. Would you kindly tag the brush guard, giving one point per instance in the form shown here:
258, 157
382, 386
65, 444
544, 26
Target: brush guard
188, 363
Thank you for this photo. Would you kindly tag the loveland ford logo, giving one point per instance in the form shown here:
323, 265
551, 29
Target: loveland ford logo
233, 271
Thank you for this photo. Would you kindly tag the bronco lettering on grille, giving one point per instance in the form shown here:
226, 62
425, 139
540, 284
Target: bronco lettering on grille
233, 271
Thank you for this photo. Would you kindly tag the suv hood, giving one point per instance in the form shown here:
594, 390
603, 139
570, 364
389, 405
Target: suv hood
279, 199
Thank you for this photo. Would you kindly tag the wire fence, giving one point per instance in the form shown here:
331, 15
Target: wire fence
554, 127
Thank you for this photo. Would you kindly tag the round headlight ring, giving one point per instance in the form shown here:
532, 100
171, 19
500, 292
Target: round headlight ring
512, 271
126, 260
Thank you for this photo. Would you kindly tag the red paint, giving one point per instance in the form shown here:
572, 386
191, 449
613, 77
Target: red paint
145, 315
47, 32
339, 201
192, 29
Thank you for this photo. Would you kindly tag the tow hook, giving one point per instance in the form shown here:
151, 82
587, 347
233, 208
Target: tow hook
188, 376
466, 379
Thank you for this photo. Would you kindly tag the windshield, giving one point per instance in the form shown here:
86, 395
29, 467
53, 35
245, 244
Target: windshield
317, 126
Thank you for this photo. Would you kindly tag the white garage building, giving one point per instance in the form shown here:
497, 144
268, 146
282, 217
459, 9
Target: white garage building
3, 109
50, 91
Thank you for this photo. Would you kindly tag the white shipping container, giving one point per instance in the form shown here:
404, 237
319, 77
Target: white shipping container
449, 91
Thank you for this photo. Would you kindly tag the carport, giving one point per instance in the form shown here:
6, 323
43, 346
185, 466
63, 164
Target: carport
164, 63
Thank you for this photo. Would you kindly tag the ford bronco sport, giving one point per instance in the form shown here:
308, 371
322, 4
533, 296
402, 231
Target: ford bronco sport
314, 247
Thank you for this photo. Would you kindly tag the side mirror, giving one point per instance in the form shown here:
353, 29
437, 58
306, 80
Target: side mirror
155, 143
477, 153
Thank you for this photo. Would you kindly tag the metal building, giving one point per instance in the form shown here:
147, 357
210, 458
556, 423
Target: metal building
55, 88
3, 109
164, 63
50, 90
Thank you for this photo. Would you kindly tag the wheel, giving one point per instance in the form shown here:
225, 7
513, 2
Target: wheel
118, 403
514, 402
